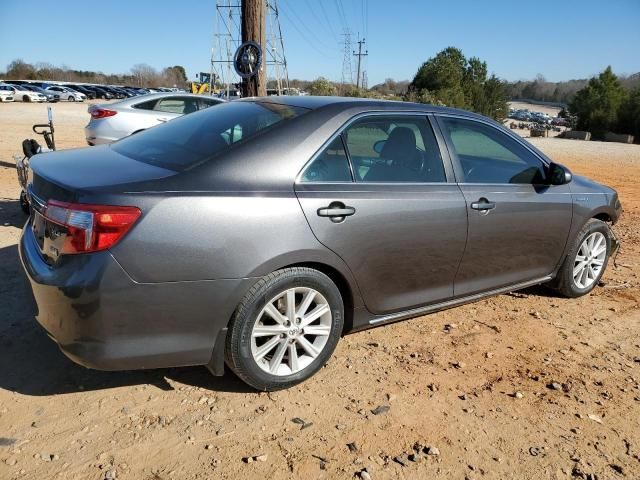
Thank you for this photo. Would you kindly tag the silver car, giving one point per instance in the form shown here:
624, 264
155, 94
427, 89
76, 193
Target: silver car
112, 121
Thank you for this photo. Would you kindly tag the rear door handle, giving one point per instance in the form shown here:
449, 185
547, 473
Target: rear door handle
162, 119
483, 204
336, 211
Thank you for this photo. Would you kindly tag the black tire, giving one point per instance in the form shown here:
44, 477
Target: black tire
71, 98
26, 98
564, 281
238, 354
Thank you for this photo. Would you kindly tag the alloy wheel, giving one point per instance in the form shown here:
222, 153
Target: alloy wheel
291, 331
589, 260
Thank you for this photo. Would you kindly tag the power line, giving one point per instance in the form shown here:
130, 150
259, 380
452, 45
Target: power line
341, 15
309, 30
326, 17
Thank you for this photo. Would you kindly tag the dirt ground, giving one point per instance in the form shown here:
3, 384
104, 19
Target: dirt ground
575, 365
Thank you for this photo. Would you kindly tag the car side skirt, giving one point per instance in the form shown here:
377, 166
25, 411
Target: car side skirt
416, 312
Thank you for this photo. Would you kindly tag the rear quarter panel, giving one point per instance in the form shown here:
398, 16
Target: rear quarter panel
220, 236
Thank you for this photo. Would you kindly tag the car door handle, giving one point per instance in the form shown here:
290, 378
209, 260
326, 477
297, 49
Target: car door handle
483, 204
162, 119
336, 211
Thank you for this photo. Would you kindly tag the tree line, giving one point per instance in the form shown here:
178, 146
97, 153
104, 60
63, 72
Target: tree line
605, 105
140, 75
541, 90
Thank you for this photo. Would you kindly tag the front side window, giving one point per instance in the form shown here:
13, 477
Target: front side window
331, 165
487, 155
394, 149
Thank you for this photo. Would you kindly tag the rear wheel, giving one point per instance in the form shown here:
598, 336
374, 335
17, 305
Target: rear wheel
285, 329
587, 260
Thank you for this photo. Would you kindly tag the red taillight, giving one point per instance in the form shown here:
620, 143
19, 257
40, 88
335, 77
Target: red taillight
102, 113
91, 228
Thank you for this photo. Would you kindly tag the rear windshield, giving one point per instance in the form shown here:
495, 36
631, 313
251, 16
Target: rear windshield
192, 139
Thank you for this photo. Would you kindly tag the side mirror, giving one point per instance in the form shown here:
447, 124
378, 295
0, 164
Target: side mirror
558, 174
378, 146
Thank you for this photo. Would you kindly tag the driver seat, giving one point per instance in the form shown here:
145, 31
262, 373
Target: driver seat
403, 159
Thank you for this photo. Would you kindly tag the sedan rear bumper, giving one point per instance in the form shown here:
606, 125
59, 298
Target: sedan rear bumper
102, 319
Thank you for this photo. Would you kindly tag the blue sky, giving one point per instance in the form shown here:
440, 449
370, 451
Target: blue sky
559, 39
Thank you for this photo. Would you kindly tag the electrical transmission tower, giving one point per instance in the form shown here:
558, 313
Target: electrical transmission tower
360, 55
227, 38
347, 70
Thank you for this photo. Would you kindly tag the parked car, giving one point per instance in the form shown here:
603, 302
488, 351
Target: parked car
123, 92
113, 91
258, 232
52, 97
6, 93
110, 122
22, 94
67, 93
100, 92
90, 94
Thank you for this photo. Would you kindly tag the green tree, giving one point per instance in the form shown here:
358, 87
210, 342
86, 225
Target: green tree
597, 104
443, 76
629, 115
321, 87
451, 79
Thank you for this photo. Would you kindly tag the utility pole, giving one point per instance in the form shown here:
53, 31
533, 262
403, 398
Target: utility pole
360, 55
254, 30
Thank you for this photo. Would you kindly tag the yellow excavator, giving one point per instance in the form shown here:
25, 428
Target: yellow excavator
199, 87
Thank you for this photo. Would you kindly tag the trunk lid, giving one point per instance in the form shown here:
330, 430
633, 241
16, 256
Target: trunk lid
65, 175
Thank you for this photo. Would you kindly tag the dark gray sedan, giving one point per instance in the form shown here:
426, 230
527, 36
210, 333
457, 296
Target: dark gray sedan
259, 232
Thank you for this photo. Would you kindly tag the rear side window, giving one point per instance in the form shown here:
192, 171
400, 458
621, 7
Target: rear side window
486, 155
331, 165
206, 103
394, 149
192, 139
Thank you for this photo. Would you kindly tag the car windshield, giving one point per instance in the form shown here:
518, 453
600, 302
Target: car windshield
192, 139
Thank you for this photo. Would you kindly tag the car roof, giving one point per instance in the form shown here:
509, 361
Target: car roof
317, 102
152, 96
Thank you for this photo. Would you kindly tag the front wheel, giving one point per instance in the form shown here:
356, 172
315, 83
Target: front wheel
587, 260
71, 98
285, 329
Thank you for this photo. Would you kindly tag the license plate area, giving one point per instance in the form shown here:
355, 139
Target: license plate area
49, 236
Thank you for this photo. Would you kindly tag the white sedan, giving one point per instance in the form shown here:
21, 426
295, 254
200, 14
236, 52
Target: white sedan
67, 93
112, 121
21, 94
6, 94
